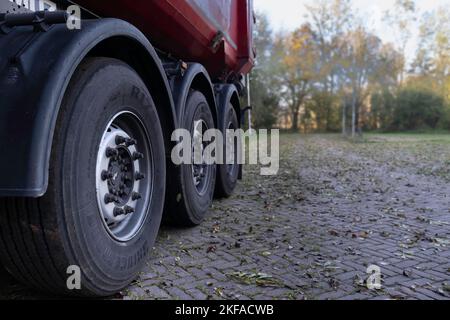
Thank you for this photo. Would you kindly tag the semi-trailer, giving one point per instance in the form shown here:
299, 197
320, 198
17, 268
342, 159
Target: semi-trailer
86, 122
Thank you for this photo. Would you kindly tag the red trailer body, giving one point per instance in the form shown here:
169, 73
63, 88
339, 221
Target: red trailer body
216, 33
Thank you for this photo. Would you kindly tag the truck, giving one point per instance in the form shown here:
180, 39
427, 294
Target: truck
86, 122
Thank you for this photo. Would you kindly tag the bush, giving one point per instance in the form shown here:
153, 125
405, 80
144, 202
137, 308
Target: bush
383, 105
265, 112
417, 109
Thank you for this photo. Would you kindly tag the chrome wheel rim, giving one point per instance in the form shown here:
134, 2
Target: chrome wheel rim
201, 172
124, 176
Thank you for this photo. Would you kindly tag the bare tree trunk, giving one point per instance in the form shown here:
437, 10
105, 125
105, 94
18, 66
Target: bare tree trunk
354, 113
344, 117
295, 122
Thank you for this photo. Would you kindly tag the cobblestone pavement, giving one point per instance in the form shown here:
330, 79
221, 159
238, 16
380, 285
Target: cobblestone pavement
311, 232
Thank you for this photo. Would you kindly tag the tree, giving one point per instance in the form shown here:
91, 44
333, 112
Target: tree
334, 67
383, 104
383, 85
330, 20
361, 54
264, 87
402, 19
431, 66
298, 69
323, 106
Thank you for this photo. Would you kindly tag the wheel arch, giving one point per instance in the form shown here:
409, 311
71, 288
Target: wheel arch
236, 102
148, 66
35, 71
228, 93
196, 77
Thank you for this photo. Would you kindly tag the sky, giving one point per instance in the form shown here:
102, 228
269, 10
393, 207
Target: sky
289, 14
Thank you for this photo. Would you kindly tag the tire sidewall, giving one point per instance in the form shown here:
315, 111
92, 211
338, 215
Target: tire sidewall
226, 182
104, 261
197, 205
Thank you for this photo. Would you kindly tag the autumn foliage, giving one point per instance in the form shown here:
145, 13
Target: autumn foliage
334, 74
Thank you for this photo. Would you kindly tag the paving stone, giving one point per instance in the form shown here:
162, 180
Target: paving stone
312, 230
178, 294
156, 293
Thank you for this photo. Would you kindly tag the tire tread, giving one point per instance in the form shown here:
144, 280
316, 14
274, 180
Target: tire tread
26, 252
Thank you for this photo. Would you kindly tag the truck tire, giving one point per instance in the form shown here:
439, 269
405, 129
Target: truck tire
103, 207
192, 195
228, 174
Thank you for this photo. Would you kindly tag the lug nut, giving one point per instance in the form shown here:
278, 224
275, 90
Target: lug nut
130, 142
140, 176
128, 210
120, 140
135, 196
137, 156
106, 175
109, 198
119, 212
110, 152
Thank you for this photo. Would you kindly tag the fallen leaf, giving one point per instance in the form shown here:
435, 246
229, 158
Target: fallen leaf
216, 228
446, 286
211, 249
219, 292
259, 279
334, 233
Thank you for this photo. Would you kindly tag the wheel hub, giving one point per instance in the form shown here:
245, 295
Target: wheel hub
199, 167
121, 189
120, 171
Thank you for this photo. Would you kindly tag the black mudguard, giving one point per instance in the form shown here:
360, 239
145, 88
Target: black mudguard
35, 70
196, 77
226, 93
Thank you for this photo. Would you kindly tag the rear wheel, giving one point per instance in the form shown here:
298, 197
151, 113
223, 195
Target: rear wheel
104, 202
228, 173
191, 196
